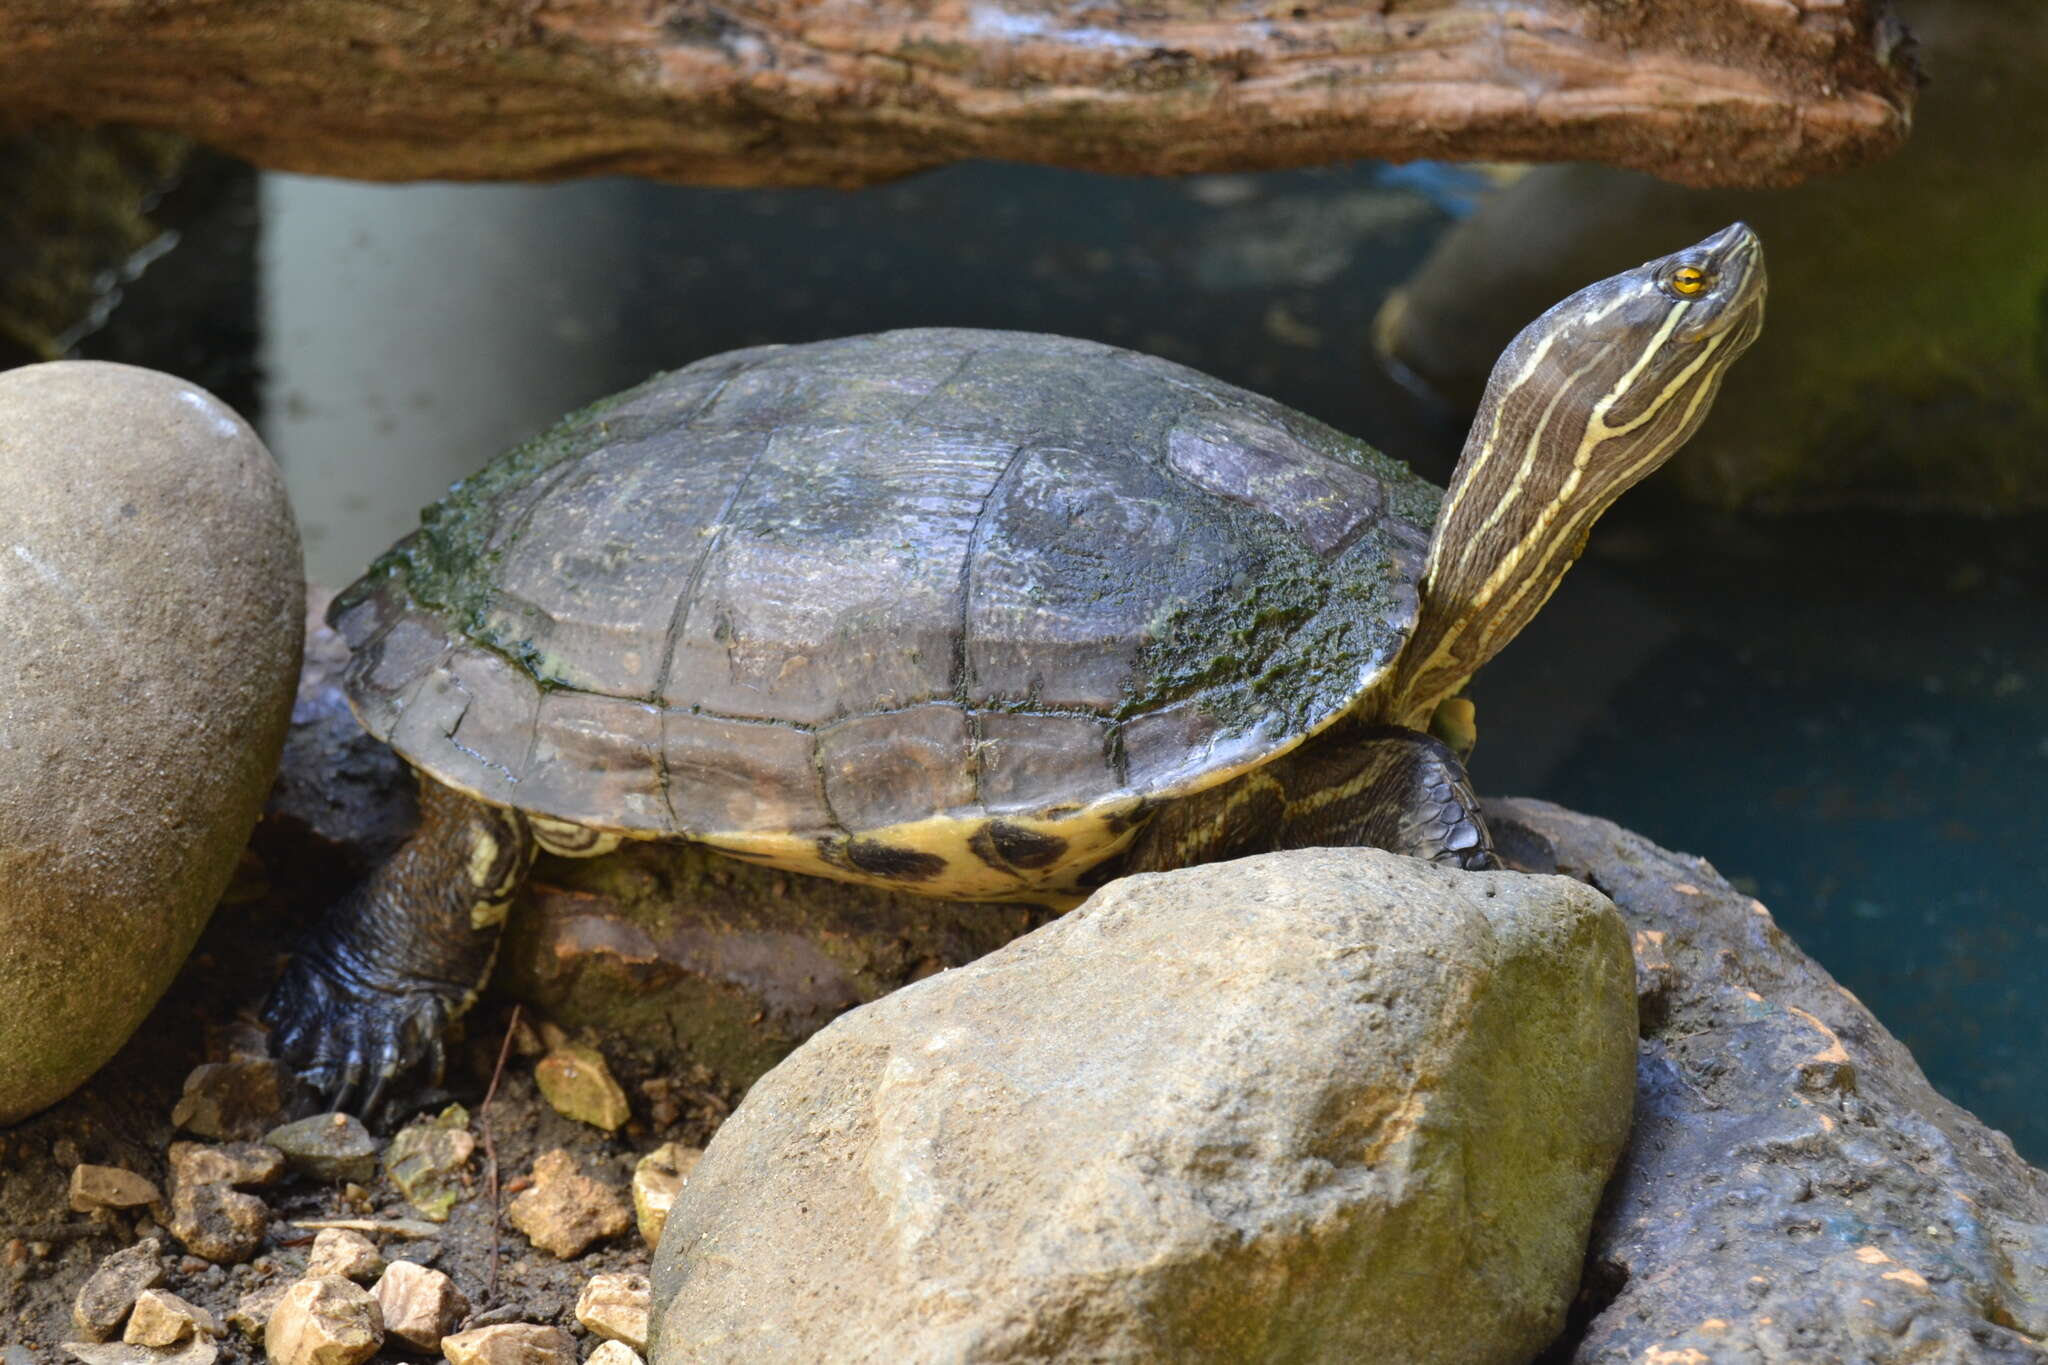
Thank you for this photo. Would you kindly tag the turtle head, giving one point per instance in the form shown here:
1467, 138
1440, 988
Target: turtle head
1592, 396
1663, 331
1604, 386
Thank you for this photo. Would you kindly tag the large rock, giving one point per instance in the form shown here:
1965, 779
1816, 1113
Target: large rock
1316, 1105
1795, 1190
690, 958
151, 574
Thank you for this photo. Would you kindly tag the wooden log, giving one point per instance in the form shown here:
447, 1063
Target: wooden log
847, 92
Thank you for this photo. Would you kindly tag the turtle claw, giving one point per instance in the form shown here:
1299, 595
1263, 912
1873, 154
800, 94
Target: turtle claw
358, 1047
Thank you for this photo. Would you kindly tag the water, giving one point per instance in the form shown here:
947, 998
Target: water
1849, 718
1848, 715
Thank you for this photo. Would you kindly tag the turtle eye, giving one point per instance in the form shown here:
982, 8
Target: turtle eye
1688, 281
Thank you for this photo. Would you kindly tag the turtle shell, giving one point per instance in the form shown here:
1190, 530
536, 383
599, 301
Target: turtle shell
939, 609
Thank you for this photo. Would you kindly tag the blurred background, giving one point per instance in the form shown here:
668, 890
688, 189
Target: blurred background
1813, 651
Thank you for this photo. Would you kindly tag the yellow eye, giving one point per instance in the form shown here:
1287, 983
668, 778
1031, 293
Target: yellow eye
1688, 281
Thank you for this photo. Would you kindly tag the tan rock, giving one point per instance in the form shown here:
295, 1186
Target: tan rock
251, 1314
162, 1318
420, 1305
658, 1178
104, 1300
218, 1222
151, 574
614, 1353
428, 1160
510, 1343
338, 1251
566, 1211
326, 1321
1327, 1105
110, 1187
575, 1080
234, 1099
234, 1163
614, 1306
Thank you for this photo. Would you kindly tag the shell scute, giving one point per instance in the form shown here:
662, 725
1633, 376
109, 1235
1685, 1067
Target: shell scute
1025, 760
845, 596
896, 767
1066, 576
603, 752
740, 775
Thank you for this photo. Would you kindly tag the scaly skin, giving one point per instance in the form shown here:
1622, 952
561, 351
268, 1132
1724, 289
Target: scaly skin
1356, 785
368, 996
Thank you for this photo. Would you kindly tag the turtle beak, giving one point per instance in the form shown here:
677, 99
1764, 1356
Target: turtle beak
1737, 260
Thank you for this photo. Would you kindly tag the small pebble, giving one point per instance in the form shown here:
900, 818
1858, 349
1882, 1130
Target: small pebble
251, 1315
232, 1100
109, 1187
333, 1147
218, 1222
575, 1080
565, 1211
235, 1163
328, 1321
161, 1318
337, 1251
615, 1306
657, 1180
614, 1353
511, 1343
427, 1159
105, 1299
420, 1305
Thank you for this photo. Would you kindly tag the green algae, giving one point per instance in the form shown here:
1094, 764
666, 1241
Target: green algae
74, 221
1294, 646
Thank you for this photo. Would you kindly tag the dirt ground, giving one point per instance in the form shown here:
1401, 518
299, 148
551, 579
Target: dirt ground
122, 1117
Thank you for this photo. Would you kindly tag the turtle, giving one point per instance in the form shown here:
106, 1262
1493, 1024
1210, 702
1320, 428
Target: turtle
973, 614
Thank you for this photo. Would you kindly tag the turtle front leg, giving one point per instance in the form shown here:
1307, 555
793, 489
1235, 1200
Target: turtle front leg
1383, 786
1375, 786
369, 994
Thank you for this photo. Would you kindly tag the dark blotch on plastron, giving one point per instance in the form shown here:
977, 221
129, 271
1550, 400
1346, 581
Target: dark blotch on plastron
878, 859
1130, 819
1103, 873
1001, 844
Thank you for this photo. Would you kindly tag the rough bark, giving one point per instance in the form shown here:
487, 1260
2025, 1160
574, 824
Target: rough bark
845, 92
1794, 1190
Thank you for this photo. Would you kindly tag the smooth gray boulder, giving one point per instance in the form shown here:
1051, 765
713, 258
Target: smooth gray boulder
1322, 1105
149, 644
